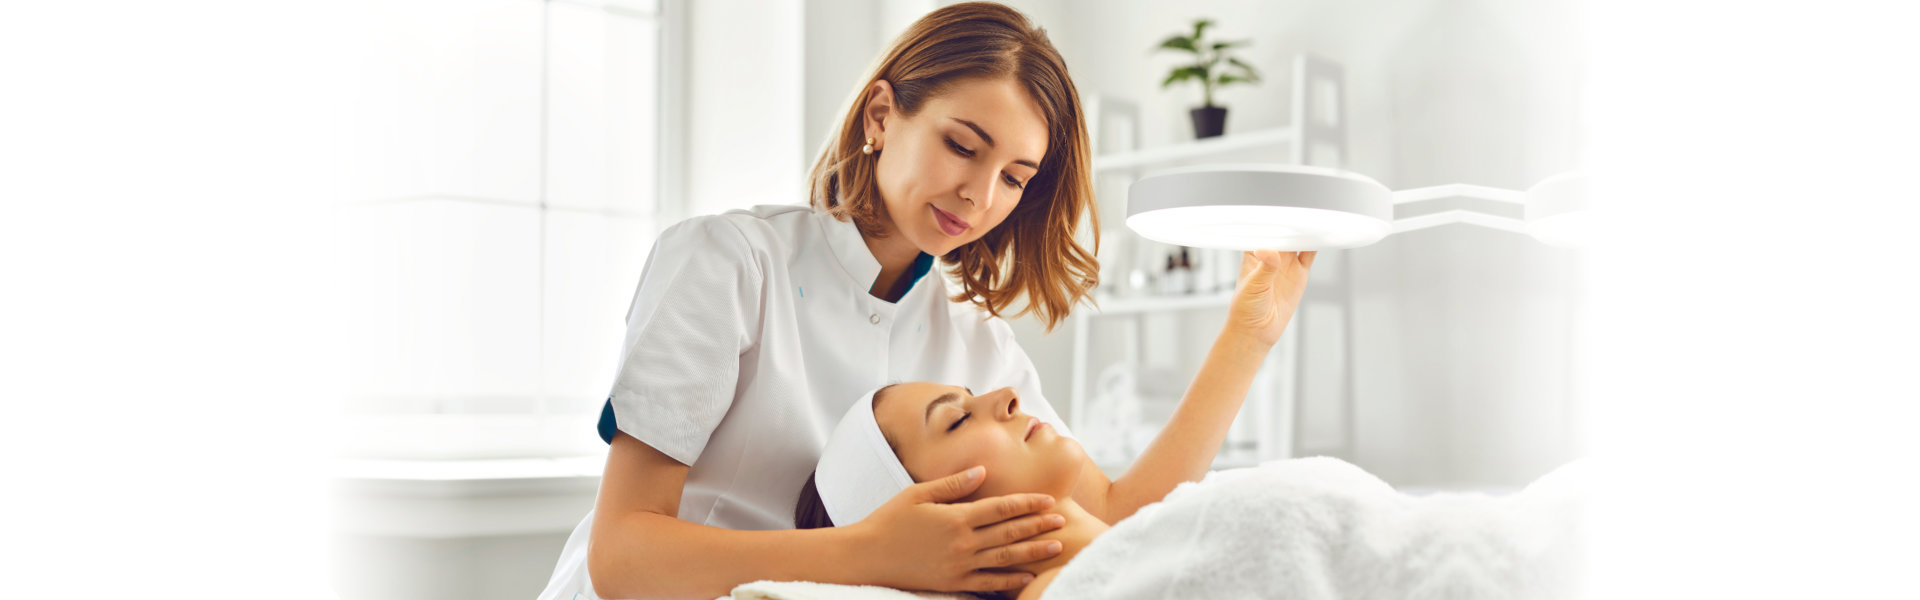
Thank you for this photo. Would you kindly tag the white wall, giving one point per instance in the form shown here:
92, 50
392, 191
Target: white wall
744, 104
513, 566
843, 41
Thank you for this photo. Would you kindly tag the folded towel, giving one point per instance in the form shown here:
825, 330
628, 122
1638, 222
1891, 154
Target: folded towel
808, 590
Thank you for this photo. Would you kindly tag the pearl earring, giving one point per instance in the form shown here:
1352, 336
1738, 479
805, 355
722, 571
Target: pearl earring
867, 149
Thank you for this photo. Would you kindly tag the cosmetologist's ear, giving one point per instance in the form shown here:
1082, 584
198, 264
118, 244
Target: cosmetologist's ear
879, 106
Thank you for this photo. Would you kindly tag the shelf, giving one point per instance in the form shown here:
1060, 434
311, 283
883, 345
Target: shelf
1164, 156
1141, 304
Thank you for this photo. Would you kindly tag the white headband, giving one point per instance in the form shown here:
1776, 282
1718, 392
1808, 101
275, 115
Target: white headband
858, 471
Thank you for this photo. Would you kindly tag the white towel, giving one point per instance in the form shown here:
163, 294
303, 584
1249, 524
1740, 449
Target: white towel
808, 590
1319, 528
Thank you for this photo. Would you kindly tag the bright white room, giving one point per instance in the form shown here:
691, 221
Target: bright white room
340, 301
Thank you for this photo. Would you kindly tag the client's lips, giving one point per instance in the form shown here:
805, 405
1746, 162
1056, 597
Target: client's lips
1033, 425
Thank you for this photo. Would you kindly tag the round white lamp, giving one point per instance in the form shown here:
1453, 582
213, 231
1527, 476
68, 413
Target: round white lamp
1260, 207
1557, 212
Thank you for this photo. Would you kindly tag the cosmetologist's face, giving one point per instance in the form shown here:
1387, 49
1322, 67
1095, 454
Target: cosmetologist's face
939, 430
953, 172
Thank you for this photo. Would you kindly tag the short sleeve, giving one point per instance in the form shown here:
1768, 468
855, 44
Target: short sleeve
1022, 376
697, 310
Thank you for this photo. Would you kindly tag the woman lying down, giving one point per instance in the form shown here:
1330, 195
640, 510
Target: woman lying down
1306, 528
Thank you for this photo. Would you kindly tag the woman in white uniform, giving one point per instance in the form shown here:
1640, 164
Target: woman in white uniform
753, 331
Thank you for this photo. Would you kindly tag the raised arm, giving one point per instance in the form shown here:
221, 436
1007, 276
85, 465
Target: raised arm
1269, 291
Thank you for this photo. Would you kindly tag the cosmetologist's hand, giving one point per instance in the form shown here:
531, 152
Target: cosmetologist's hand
1269, 290
917, 542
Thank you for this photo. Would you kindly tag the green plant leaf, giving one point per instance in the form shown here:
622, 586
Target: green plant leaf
1200, 26
1183, 74
1226, 79
1247, 70
1178, 42
1218, 46
1177, 76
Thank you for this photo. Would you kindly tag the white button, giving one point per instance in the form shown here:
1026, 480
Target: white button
875, 319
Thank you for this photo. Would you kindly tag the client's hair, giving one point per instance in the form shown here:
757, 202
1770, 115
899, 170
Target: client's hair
810, 512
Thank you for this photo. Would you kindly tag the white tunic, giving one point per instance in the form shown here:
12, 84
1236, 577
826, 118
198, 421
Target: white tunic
750, 335
752, 332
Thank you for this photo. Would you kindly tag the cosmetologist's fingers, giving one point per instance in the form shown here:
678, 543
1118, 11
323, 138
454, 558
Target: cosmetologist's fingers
1017, 554
988, 511
1008, 532
952, 487
994, 581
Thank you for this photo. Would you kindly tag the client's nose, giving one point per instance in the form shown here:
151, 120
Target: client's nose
1006, 403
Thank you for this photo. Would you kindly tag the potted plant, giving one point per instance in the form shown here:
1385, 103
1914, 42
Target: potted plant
1209, 119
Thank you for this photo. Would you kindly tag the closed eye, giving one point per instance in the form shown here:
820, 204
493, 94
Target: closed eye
957, 422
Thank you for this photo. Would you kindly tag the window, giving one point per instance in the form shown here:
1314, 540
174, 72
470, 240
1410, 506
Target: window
509, 185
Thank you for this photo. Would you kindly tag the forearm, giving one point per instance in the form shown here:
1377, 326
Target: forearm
649, 555
1187, 444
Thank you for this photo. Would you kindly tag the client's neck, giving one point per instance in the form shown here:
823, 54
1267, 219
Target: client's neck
1080, 530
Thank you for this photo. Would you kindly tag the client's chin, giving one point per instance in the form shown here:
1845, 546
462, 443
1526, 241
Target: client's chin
1063, 465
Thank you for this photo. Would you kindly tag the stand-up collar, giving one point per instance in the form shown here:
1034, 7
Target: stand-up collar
850, 249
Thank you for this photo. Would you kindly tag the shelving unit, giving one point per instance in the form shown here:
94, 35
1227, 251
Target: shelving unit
1316, 135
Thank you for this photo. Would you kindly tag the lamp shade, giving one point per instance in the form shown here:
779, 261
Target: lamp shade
1557, 212
1256, 207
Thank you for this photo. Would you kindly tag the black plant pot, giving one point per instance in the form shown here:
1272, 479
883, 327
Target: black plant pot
1209, 121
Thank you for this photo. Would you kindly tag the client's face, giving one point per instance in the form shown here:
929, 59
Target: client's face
939, 430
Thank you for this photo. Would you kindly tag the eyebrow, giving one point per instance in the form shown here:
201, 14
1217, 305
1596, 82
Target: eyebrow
947, 398
989, 139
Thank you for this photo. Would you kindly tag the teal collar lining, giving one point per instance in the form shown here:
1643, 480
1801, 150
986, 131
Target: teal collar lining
921, 264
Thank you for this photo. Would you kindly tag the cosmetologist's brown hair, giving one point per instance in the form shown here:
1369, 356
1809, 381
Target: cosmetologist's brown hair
1034, 252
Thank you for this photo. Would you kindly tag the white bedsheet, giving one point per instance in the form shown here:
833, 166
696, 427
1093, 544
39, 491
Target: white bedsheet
1319, 527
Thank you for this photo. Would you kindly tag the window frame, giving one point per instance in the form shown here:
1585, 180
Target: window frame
541, 432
